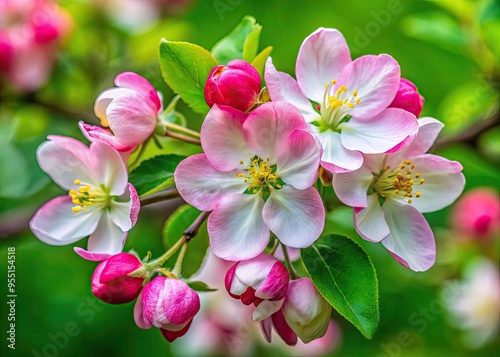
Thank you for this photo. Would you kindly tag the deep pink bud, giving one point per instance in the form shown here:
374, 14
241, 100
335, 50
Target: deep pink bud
236, 85
261, 281
408, 98
110, 282
477, 214
167, 303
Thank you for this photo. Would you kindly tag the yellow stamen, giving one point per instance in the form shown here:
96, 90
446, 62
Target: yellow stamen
77, 182
76, 209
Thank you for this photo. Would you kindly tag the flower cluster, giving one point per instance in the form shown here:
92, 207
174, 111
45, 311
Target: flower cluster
268, 157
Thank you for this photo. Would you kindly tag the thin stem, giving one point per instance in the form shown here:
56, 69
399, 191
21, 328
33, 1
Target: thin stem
181, 129
181, 137
275, 247
178, 264
140, 151
163, 196
192, 230
288, 263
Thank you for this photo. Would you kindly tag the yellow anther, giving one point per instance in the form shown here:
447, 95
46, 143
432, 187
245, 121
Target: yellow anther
408, 171
418, 194
387, 167
358, 101
422, 181
76, 209
240, 175
407, 162
355, 93
77, 182
241, 162
417, 175
333, 81
350, 105
84, 189
410, 201
396, 191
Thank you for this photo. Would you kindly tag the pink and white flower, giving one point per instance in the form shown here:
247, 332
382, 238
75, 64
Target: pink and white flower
256, 176
30, 31
305, 314
262, 281
128, 114
169, 304
390, 193
350, 115
100, 202
111, 283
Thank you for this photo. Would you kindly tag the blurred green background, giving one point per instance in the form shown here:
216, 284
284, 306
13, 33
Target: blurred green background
449, 49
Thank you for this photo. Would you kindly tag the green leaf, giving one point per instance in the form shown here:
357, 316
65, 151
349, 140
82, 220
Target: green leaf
155, 174
173, 229
200, 286
259, 61
241, 43
185, 68
343, 273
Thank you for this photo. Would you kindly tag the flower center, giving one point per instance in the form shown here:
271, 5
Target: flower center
337, 105
86, 196
260, 175
398, 183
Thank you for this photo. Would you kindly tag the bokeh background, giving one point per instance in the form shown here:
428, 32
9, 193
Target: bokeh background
448, 48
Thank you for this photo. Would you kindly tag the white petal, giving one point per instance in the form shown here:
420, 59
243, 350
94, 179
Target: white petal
297, 217
351, 188
370, 221
336, 158
108, 237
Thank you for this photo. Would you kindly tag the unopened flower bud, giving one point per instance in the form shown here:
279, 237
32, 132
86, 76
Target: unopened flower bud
305, 310
169, 304
236, 85
408, 98
261, 281
110, 282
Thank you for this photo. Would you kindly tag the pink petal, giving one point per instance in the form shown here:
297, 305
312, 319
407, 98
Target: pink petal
298, 159
236, 228
275, 284
268, 127
282, 328
202, 186
370, 221
171, 336
65, 160
135, 203
252, 273
131, 119
322, 57
296, 217
336, 158
376, 78
95, 257
96, 133
265, 309
379, 133
140, 84
411, 240
443, 184
108, 238
139, 313
56, 224
104, 99
351, 188
266, 326
109, 168
429, 129
222, 138
283, 88
180, 302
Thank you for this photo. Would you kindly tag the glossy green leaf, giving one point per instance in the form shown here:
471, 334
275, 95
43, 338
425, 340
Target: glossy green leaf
200, 286
155, 174
173, 230
241, 43
343, 273
185, 68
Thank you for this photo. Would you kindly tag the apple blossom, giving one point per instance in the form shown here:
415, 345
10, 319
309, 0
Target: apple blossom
477, 214
262, 281
305, 314
110, 282
390, 193
100, 202
351, 116
408, 98
236, 85
128, 113
256, 176
29, 36
476, 310
169, 304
